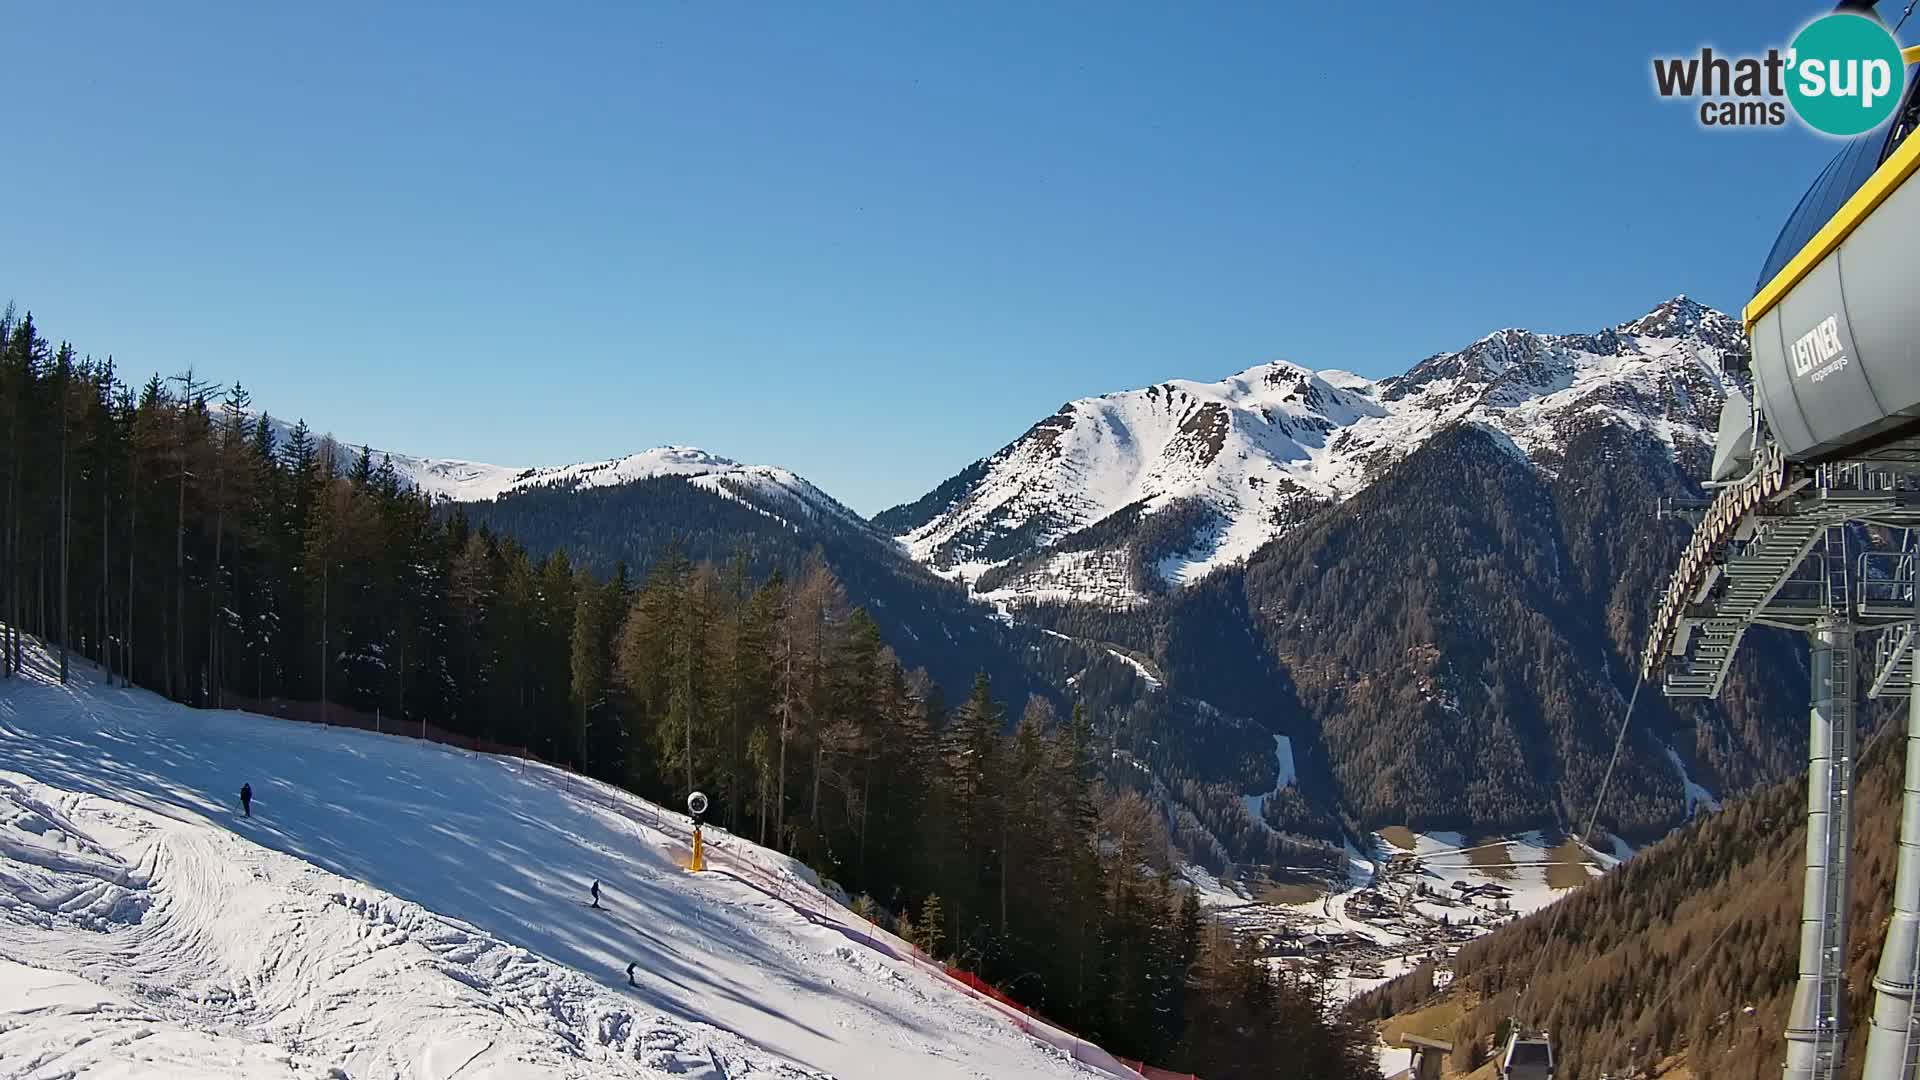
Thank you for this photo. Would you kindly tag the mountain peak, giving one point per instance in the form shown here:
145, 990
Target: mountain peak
1235, 463
1274, 371
673, 459
467, 481
1672, 318
460, 480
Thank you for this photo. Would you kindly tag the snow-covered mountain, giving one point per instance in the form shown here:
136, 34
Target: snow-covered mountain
758, 485
1118, 495
761, 486
471, 481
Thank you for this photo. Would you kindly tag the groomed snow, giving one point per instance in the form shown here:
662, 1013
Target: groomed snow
1212, 892
396, 909
1697, 797
1283, 760
1621, 850
1139, 668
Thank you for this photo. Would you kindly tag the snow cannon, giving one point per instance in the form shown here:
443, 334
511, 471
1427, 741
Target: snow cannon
696, 806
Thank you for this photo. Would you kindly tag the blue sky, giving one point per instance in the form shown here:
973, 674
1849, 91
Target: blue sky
870, 242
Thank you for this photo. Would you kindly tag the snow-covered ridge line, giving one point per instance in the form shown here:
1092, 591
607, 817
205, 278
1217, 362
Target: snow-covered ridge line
459, 480
1240, 460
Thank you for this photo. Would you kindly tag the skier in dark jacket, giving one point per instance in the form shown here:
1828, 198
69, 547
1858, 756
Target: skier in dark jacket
630, 981
246, 798
596, 895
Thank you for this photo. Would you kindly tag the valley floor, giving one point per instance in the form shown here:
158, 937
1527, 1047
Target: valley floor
397, 909
1381, 924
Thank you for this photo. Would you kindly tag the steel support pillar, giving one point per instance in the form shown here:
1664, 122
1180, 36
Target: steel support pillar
1816, 1028
1893, 1045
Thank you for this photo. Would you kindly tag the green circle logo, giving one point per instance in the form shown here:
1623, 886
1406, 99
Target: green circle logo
1846, 74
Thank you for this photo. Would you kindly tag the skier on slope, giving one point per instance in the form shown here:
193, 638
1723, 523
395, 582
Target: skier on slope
246, 799
596, 895
630, 981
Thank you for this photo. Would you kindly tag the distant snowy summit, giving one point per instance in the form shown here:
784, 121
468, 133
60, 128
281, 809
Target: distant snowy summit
769, 488
1121, 494
472, 481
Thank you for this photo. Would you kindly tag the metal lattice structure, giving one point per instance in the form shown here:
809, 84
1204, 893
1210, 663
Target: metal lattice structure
1746, 565
1776, 550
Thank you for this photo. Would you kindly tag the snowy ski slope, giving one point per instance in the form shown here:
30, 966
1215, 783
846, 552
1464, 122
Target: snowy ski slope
396, 909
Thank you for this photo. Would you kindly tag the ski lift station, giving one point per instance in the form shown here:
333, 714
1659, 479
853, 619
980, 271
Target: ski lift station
1828, 444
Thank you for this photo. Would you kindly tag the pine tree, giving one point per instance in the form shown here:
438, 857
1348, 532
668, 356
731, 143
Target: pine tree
932, 927
968, 752
21, 356
229, 455
63, 377
186, 449
590, 654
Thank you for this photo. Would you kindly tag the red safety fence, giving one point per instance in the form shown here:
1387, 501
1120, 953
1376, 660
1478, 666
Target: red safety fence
1152, 1073
336, 715
982, 986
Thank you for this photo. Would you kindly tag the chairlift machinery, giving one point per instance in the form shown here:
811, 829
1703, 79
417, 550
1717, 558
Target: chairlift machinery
1830, 441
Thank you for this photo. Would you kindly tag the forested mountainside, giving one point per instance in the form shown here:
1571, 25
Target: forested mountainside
932, 622
1199, 760
1451, 643
1688, 951
1453, 647
173, 541
1465, 633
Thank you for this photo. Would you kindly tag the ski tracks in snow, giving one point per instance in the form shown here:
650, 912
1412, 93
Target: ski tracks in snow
397, 909
282, 968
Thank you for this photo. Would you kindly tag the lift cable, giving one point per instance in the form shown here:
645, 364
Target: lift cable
1904, 14
1553, 926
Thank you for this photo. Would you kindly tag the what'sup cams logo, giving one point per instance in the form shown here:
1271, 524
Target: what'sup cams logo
1842, 76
